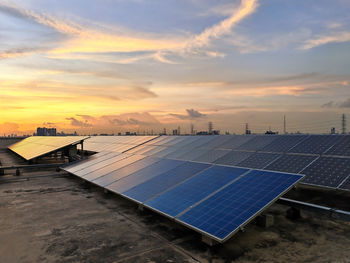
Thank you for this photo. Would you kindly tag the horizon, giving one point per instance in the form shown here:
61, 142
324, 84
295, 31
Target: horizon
112, 66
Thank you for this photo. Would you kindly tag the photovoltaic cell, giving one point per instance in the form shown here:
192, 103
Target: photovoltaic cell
327, 171
96, 166
164, 181
233, 157
217, 141
346, 184
291, 163
125, 171
181, 197
112, 167
284, 143
259, 160
224, 212
211, 155
341, 148
236, 141
143, 175
258, 142
94, 159
192, 155
316, 144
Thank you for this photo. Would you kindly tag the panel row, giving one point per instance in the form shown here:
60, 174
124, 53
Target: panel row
186, 190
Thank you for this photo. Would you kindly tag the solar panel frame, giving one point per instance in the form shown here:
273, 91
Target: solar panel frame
222, 240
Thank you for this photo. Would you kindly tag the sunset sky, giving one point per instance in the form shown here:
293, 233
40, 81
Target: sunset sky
114, 65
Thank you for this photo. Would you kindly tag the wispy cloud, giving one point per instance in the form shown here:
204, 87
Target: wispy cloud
246, 8
320, 40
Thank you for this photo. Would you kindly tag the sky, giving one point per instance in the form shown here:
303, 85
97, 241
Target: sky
109, 66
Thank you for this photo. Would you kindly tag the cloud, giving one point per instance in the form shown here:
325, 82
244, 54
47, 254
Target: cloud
18, 52
320, 40
191, 115
86, 117
78, 123
131, 119
329, 104
345, 104
246, 8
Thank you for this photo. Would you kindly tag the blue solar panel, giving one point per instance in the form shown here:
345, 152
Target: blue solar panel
236, 141
195, 189
291, 163
316, 144
327, 171
284, 143
211, 155
259, 160
143, 175
164, 181
224, 212
113, 176
341, 148
258, 142
233, 157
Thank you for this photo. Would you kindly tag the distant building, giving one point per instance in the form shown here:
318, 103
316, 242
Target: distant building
45, 131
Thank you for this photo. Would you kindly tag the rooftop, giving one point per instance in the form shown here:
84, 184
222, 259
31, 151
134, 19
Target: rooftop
55, 217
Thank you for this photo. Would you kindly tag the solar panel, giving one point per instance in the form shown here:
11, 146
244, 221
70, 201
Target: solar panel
125, 171
341, 148
217, 141
259, 160
291, 163
235, 141
327, 171
202, 140
91, 160
211, 155
258, 142
181, 197
315, 144
37, 146
119, 163
115, 143
284, 143
88, 168
193, 154
164, 181
143, 175
345, 185
223, 213
233, 157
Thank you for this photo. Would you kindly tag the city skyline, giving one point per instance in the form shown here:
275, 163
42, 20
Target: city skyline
117, 65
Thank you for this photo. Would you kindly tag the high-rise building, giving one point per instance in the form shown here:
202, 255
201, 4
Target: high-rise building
45, 131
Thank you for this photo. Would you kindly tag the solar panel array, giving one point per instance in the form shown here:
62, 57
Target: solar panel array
115, 143
182, 189
36, 146
283, 153
209, 183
